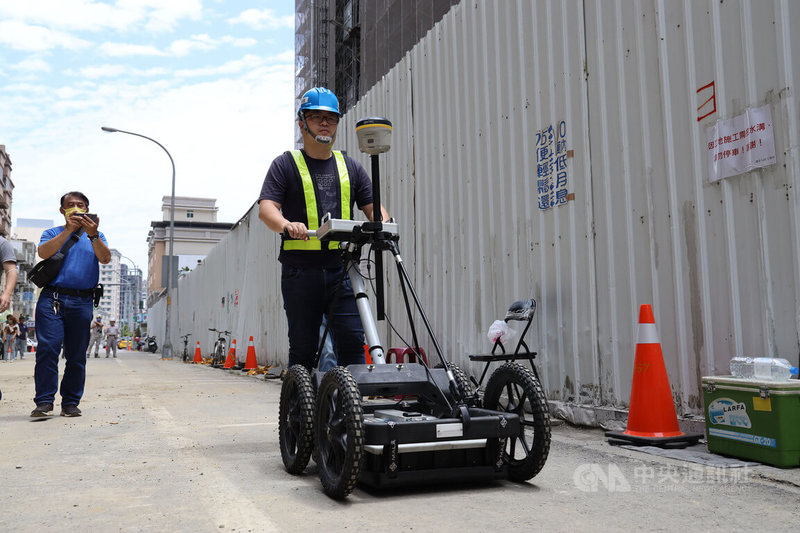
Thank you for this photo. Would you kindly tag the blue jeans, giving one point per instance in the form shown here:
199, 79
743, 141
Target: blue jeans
19, 348
306, 292
70, 327
327, 358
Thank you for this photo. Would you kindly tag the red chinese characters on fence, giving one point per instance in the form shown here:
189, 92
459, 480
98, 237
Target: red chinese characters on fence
740, 144
737, 136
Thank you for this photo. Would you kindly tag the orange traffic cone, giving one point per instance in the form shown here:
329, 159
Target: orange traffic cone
367, 356
250, 363
198, 357
231, 360
651, 417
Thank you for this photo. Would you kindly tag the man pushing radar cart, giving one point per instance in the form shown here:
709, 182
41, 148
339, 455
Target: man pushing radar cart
401, 424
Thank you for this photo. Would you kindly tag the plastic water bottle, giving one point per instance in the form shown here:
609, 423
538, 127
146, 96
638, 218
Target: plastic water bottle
773, 369
742, 367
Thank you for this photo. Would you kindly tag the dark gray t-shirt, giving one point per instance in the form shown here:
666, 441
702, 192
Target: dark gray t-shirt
6, 251
284, 186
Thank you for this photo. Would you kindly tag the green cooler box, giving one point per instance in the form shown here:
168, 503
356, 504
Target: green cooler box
751, 419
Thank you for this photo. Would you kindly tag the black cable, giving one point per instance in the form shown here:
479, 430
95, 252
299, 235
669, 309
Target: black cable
419, 358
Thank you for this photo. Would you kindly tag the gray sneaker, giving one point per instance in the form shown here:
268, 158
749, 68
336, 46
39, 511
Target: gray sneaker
42, 410
70, 410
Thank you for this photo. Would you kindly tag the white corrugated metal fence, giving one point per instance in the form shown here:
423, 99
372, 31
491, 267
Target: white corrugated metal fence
628, 86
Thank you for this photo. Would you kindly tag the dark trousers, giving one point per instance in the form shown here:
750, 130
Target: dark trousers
70, 327
306, 293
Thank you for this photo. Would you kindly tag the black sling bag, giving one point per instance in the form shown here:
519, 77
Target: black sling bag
46, 270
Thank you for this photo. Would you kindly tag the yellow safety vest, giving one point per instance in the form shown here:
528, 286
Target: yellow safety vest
311, 201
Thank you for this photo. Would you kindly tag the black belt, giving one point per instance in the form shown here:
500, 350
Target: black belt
70, 292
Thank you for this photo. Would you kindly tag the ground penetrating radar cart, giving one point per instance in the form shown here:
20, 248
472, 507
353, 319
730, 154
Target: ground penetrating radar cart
396, 424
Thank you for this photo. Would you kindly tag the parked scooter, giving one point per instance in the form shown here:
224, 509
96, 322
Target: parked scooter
152, 346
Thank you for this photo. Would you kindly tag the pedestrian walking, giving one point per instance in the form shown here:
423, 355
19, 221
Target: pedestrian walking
9, 259
111, 337
300, 187
22, 336
64, 308
95, 336
10, 332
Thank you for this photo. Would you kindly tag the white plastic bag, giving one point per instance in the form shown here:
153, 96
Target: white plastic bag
500, 330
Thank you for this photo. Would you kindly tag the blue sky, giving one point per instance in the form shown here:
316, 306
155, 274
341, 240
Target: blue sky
211, 80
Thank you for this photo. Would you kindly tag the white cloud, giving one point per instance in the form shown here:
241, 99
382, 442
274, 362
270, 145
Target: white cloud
183, 47
127, 49
165, 15
20, 36
286, 56
262, 19
102, 71
26, 88
67, 14
242, 43
91, 15
222, 134
113, 71
231, 67
32, 64
203, 42
223, 123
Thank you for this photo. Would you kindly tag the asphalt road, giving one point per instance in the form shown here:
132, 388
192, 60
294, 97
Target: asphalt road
167, 446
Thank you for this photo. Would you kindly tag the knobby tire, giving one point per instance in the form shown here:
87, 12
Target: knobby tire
514, 388
296, 419
339, 432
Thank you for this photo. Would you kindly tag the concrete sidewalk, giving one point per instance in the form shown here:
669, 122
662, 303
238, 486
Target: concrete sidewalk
167, 446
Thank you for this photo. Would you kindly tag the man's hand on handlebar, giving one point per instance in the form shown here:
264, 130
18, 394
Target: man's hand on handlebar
296, 230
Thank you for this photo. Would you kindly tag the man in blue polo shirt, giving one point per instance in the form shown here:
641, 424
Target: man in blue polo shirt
64, 308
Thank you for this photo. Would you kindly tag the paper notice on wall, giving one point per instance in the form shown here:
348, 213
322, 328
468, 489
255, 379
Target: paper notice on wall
740, 144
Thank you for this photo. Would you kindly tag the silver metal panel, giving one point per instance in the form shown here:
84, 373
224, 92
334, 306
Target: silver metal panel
479, 242
377, 449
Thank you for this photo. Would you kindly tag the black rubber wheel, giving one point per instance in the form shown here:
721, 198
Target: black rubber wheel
465, 386
513, 388
296, 419
338, 428
219, 355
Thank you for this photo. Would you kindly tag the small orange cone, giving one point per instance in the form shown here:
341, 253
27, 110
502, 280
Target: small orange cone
198, 357
250, 363
231, 360
651, 417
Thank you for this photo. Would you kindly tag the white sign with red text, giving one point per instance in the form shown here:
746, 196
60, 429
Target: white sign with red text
740, 144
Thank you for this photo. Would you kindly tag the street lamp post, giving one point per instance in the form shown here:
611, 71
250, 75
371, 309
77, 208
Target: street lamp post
166, 350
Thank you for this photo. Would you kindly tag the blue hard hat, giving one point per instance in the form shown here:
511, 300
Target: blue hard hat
319, 98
